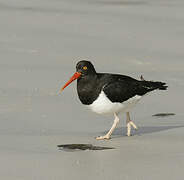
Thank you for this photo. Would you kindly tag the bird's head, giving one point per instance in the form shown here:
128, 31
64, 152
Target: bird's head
83, 69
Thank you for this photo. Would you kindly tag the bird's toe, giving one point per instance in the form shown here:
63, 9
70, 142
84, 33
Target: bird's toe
102, 137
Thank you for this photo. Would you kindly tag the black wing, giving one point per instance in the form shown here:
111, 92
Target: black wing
122, 89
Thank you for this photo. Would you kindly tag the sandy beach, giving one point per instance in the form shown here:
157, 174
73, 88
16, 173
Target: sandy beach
40, 43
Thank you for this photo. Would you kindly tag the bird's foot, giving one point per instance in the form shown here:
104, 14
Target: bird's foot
129, 124
133, 125
103, 137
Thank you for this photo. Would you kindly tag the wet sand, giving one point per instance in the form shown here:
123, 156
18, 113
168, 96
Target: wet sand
40, 43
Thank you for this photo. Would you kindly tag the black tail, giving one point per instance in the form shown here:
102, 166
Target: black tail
161, 85
151, 85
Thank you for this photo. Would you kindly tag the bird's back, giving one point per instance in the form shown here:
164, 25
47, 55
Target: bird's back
118, 88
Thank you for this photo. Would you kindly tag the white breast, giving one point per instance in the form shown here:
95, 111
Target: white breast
102, 105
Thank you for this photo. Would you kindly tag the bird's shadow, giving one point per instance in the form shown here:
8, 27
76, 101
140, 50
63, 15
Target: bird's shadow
121, 131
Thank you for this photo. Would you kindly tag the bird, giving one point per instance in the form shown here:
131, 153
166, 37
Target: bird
106, 93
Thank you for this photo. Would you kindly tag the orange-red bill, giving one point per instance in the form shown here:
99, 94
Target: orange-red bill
73, 78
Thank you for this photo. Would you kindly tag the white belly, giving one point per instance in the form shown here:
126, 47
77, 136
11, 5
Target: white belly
102, 105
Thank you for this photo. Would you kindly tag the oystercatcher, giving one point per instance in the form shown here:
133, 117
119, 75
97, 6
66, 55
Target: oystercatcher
106, 93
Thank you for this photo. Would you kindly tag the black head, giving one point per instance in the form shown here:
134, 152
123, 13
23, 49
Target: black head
85, 68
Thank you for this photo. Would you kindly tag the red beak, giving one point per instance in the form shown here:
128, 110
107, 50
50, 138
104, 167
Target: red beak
73, 78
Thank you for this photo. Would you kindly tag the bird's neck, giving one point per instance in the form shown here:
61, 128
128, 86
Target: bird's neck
87, 89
